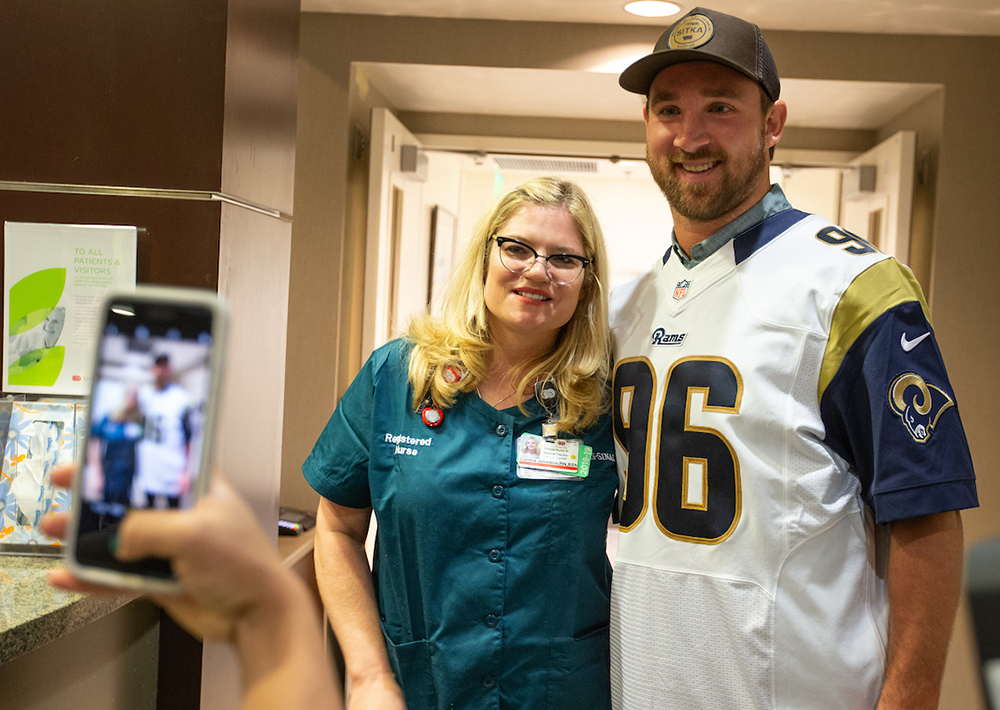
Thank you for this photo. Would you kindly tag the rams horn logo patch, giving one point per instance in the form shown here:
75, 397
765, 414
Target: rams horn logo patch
918, 403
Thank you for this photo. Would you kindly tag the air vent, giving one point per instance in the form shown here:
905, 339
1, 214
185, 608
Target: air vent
545, 165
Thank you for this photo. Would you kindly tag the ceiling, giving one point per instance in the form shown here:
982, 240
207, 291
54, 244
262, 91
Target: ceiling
421, 87
537, 92
951, 17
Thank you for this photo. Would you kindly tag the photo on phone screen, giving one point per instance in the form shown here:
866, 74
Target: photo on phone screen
153, 380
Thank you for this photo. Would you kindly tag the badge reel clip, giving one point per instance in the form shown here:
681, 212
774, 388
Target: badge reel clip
547, 395
431, 415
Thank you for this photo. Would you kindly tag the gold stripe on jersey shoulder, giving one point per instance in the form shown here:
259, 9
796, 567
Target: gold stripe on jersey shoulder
874, 291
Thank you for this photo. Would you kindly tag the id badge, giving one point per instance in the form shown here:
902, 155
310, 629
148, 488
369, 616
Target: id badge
552, 459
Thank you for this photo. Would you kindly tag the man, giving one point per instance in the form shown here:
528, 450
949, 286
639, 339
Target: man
164, 452
791, 454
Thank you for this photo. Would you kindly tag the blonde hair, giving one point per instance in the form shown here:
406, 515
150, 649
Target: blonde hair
460, 338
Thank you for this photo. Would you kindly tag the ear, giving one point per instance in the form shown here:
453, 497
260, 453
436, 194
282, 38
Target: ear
645, 111
774, 122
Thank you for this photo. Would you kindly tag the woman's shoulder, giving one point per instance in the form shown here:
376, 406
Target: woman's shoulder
395, 353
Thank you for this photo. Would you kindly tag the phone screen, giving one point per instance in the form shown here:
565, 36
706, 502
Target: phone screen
147, 422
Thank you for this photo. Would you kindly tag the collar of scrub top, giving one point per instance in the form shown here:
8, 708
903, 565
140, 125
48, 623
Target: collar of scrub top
546, 392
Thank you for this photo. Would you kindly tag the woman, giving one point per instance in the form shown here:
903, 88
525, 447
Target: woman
490, 583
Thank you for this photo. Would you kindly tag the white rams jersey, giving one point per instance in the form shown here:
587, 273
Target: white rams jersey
162, 453
771, 404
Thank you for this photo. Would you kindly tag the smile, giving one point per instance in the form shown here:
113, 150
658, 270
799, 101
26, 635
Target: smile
533, 296
698, 167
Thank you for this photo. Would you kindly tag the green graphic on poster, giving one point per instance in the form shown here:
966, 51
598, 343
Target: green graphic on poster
36, 322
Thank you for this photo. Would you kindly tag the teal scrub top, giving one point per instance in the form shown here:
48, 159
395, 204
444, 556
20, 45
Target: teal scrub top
493, 590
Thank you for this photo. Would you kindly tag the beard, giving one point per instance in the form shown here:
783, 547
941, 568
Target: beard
709, 202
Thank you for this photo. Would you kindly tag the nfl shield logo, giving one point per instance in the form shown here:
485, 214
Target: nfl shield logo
681, 289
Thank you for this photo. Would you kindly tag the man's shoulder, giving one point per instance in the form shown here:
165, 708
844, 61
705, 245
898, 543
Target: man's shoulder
794, 237
801, 250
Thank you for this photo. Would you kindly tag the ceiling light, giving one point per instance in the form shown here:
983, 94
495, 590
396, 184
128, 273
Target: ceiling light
652, 8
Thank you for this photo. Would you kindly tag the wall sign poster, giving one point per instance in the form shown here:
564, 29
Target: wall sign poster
55, 277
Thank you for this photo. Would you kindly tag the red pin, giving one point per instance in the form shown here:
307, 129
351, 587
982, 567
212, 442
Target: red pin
432, 416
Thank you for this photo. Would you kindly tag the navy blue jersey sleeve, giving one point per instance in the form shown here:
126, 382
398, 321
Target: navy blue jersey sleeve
888, 408
337, 467
187, 426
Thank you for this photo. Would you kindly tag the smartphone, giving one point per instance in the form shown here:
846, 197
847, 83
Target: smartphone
154, 401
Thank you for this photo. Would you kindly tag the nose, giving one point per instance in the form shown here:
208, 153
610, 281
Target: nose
539, 263
691, 134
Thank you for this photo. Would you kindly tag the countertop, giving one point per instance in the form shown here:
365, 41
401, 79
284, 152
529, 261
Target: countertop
33, 613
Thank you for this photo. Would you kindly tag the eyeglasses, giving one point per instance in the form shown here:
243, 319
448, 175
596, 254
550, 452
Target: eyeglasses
518, 257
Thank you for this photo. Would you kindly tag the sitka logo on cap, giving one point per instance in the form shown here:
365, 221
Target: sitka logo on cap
691, 32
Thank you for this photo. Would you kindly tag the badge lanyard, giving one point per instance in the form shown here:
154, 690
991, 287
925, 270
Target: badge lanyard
547, 394
547, 456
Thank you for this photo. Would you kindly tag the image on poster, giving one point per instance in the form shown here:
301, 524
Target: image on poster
55, 277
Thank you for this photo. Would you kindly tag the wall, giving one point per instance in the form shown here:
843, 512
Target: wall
634, 217
177, 116
964, 257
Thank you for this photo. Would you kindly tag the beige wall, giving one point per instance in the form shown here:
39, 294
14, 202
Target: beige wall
960, 254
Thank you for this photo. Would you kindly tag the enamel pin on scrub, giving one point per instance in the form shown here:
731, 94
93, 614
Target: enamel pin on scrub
431, 415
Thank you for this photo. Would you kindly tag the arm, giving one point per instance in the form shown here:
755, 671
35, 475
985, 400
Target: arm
234, 589
345, 583
282, 657
925, 572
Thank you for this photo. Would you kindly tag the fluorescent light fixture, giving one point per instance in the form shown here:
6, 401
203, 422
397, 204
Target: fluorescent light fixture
652, 8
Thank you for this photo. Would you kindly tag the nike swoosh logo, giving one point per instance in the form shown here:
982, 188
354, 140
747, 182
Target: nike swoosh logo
908, 345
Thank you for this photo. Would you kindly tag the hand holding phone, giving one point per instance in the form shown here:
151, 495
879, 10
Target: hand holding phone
153, 409
222, 559
235, 589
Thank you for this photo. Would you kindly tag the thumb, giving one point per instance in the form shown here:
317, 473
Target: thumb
153, 533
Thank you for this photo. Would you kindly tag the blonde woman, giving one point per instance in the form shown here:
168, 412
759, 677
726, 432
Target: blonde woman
490, 585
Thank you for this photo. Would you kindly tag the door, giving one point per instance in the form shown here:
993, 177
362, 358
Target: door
883, 214
397, 252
